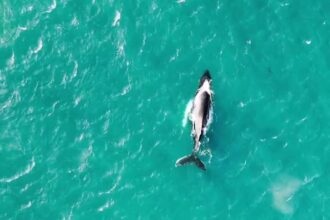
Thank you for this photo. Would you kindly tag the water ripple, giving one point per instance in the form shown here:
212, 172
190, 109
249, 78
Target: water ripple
26, 171
283, 192
187, 111
52, 7
116, 20
39, 47
107, 205
117, 181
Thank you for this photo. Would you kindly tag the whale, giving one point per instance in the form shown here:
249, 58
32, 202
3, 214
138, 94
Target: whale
200, 117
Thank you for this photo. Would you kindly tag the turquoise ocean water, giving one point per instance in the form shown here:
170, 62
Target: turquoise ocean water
93, 95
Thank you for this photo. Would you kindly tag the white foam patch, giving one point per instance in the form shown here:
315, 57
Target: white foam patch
75, 21
209, 122
26, 206
84, 158
207, 152
107, 205
39, 47
52, 7
284, 4
74, 71
181, 1
11, 60
116, 19
117, 181
172, 58
187, 111
28, 8
308, 180
14, 98
77, 100
121, 49
22, 28
308, 42
242, 104
126, 90
283, 193
26, 171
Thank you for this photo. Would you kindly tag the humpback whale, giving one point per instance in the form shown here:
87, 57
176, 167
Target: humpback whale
200, 115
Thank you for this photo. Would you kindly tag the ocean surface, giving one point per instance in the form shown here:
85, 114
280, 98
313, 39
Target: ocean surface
94, 102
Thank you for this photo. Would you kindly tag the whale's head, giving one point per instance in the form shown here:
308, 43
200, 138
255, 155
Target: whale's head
205, 77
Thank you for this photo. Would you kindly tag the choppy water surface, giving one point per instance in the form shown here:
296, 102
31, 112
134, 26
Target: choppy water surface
93, 109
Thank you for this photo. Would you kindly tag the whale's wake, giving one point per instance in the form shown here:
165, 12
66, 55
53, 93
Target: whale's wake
187, 111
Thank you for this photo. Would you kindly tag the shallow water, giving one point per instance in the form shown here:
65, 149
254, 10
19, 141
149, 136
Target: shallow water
93, 99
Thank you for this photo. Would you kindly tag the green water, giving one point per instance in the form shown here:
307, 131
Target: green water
93, 95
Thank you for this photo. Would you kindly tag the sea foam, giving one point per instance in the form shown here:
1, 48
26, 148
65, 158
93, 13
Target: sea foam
27, 170
186, 115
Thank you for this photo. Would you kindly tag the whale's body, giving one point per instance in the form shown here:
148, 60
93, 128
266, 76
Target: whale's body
200, 115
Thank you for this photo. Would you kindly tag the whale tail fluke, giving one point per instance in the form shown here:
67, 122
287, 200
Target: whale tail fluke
192, 158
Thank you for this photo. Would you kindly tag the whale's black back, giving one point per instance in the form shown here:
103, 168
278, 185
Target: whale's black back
206, 103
